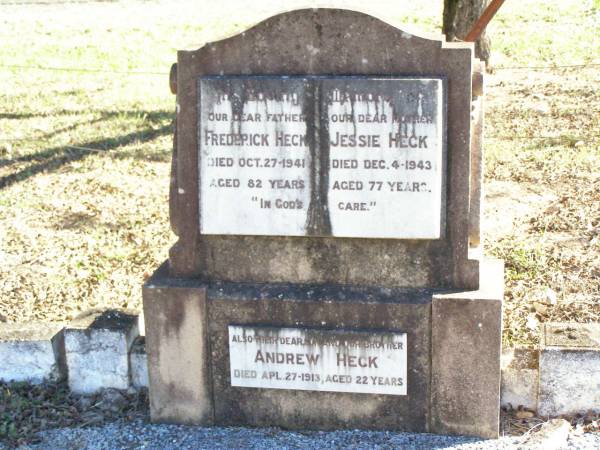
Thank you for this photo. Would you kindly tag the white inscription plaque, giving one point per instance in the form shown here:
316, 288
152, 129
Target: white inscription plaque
254, 157
322, 156
385, 157
318, 360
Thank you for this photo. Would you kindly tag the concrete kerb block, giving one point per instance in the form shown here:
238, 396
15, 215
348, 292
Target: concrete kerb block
138, 363
519, 385
569, 369
97, 345
31, 352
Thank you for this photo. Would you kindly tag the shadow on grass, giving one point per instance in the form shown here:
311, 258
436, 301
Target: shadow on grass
153, 115
54, 158
58, 131
20, 115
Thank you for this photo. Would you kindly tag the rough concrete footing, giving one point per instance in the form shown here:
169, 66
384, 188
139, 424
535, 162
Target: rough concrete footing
31, 352
138, 363
520, 378
97, 345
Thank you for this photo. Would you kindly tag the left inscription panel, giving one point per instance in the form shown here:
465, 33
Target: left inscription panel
255, 159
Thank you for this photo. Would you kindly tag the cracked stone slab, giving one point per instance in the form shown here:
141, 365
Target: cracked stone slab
31, 352
97, 345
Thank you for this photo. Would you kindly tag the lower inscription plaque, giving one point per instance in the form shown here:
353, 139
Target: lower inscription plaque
318, 360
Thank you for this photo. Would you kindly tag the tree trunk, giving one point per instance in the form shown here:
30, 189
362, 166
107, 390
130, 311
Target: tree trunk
459, 18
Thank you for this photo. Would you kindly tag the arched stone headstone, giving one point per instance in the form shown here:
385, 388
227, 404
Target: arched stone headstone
325, 188
331, 43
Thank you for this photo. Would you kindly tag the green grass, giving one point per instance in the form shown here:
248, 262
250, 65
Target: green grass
84, 156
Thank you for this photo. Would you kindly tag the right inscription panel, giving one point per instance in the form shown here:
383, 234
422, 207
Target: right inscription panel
386, 150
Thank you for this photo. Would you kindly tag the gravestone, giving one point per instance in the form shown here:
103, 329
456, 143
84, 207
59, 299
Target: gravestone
326, 193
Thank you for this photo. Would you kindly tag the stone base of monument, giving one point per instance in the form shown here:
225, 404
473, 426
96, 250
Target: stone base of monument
316, 356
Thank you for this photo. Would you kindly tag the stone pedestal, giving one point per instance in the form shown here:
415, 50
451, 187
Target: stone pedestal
453, 354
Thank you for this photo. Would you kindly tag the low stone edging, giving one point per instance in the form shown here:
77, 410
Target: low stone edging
562, 377
105, 349
95, 351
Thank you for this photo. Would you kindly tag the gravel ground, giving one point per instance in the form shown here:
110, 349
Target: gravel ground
138, 435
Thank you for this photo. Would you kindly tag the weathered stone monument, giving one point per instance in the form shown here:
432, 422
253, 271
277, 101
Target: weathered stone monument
325, 191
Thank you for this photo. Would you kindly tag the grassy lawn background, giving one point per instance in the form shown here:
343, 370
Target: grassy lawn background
84, 156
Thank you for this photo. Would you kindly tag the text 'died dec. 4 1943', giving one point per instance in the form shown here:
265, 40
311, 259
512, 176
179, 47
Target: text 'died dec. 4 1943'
322, 156
318, 360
